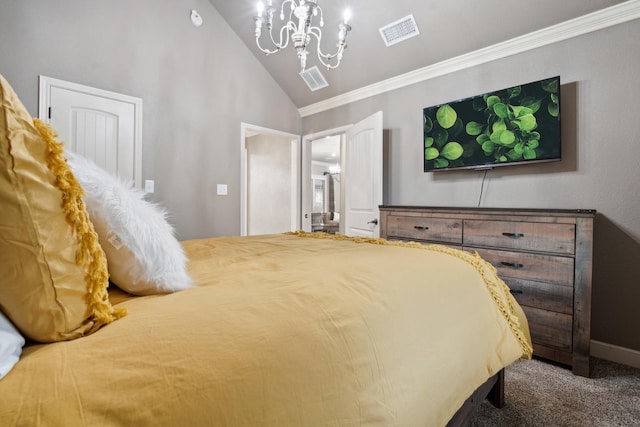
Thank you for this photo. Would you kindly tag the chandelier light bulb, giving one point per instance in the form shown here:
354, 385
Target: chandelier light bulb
260, 7
347, 16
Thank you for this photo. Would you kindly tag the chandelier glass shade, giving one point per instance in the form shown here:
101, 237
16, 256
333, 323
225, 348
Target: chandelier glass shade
305, 21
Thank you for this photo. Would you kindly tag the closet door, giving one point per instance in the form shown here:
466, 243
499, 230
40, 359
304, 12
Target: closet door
104, 126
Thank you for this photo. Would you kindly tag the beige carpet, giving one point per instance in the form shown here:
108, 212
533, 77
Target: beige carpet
538, 394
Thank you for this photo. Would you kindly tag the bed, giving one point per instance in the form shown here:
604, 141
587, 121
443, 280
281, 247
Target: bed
282, 330
294, 329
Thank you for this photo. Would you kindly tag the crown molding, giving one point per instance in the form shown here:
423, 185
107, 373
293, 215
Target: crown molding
614, 15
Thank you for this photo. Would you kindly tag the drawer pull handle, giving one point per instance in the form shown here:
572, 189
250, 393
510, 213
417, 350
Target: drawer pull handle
512, 264
515, 291
420, 227
513, 235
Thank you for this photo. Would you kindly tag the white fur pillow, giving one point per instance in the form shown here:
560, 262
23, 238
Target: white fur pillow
143, 255
11, 343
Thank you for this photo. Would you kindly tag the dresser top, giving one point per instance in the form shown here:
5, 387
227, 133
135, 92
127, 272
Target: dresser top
486, 210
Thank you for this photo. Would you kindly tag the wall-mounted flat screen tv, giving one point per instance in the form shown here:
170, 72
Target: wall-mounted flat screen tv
516, 125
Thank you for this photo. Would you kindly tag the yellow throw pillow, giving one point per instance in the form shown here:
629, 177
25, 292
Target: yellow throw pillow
53, 273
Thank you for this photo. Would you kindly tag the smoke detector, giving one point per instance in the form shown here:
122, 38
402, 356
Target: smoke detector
400, 30
314, 78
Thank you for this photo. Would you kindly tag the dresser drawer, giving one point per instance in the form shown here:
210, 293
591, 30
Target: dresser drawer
441, 230
549, 328
526, 236
546, 296
528, 266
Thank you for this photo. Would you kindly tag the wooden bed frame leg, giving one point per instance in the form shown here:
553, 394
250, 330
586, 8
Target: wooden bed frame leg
496, 394
493, 390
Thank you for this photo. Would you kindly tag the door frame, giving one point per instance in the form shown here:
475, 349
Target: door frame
46, 84
306, 196
246, 130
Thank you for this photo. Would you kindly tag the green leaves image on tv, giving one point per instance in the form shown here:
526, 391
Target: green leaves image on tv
520, 124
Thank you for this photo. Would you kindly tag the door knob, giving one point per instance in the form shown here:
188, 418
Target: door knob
373, 221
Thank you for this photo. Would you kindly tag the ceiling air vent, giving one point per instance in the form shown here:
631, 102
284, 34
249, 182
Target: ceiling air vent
400, 30
314, 78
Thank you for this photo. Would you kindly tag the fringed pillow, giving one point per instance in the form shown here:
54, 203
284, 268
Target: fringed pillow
53, 273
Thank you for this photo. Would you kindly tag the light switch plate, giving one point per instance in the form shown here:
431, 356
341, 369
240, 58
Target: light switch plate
222, 190
149, 186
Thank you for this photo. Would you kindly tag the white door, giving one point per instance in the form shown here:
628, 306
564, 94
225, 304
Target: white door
101, 125
362, 172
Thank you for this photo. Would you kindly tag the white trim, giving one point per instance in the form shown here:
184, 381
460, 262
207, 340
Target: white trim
295, 184
328, 132
247, 130
614, 353
595, 21
44, 102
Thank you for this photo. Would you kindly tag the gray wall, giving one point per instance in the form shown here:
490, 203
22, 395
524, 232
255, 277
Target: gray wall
197, 86
601, 156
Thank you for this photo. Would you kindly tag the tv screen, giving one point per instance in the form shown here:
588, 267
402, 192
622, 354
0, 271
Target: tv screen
516, 125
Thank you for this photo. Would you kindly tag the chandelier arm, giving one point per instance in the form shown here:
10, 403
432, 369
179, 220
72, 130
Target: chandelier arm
282, 8
317, 33
342, 43
319, 9
325, 59
278, 46
267, 51
259, 23
285, 29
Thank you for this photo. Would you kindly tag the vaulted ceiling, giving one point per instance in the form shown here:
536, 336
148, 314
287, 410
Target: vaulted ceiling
447, 29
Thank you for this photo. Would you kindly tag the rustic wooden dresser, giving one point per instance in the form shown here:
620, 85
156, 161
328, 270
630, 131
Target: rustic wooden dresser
545, 256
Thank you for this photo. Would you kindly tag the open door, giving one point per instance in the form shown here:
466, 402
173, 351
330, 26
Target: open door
362, 171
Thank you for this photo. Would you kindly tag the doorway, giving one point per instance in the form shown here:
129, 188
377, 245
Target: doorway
326, 167
322, 152
270, 177
360, 175
360, 180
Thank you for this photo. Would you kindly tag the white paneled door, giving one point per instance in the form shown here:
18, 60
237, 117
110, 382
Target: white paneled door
102, 125
362, 171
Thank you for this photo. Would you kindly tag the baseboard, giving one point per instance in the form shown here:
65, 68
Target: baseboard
614, 353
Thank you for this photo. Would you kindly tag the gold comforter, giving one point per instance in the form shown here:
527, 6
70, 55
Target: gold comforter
283, 331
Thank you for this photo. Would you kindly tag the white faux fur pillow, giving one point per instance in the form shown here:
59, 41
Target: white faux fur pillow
143, 255
11, 343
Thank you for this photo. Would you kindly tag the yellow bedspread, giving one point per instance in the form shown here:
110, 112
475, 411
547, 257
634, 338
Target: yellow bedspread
283, 331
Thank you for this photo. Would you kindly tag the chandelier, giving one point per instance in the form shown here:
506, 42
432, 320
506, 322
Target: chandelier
299, 28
